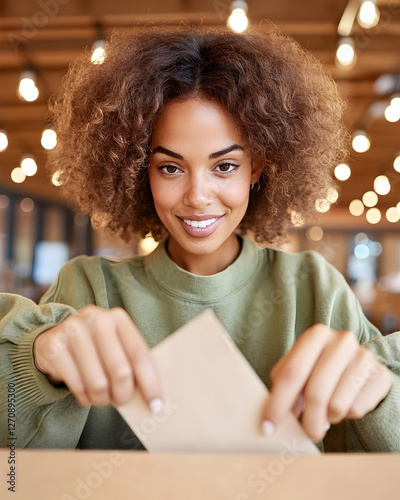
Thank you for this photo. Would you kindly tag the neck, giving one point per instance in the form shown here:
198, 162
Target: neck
206, 264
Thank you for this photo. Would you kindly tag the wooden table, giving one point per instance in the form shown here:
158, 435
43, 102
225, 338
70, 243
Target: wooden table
123, 475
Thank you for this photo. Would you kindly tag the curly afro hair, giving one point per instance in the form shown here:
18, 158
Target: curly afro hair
286, 106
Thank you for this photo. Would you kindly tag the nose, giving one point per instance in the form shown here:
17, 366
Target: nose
198, 191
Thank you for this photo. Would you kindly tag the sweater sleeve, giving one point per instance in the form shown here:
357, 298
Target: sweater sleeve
379, 430
46, 416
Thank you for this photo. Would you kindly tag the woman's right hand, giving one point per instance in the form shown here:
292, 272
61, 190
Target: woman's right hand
100, 356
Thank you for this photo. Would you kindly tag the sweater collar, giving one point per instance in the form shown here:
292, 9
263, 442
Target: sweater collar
174, 280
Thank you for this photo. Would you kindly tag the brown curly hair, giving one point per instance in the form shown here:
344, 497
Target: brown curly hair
286, 106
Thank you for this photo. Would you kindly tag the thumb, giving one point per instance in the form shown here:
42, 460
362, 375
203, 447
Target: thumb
276, 408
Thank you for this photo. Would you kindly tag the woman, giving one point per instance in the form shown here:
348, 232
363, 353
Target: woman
199, 138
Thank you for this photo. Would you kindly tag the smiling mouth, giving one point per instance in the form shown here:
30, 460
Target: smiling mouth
199, 223
200, 228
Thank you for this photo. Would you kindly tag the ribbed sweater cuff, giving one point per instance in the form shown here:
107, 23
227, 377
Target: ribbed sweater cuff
34, 388
379, 430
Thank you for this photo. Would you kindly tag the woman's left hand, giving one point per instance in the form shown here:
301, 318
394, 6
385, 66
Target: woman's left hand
326, 376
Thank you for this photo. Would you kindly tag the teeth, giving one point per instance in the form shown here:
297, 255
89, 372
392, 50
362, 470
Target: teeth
199, 223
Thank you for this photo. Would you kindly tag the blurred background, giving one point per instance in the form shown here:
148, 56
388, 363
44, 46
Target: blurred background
357, 228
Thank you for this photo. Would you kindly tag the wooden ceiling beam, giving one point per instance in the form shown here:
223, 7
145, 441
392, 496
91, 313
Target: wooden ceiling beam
112, 20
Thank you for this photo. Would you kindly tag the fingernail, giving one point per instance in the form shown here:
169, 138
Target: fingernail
156, 405
268, 428
327, 426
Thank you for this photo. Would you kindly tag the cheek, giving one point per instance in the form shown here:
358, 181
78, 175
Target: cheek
236, 196
160, 194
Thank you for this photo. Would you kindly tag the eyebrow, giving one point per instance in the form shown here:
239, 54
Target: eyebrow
234, 147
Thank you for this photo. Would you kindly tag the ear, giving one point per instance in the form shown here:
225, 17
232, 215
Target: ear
257, 169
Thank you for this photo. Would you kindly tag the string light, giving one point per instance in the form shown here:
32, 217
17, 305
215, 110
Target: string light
297, 219
332, 195
361, 142
315, 233
368, 15
3, 140
27, 89
55, 179
49, 138
356, 208
28, 165
238, 20
392, 215
342, 172
373, 215
382, 185
370, 199
17, 175
322, 205
147, 245
392, 112
345, 54
395, 102
98, 52
396, 163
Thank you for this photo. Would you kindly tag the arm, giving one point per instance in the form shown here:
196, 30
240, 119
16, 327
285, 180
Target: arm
38, 403
334, 376
100, 356
48, 413
379, 430
330, 301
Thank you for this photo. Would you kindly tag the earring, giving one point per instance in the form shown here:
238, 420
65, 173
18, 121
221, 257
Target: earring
258, 186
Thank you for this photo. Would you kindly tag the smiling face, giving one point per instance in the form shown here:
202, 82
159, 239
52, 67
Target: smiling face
200, 174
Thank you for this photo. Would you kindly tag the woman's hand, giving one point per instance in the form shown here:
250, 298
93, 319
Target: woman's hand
326, 377
100, 356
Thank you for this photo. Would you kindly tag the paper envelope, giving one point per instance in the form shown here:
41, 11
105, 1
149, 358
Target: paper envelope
212, 398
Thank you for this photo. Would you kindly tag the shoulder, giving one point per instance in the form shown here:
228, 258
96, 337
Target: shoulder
87, 265
86, 279
308, 272
308, 262
321, 293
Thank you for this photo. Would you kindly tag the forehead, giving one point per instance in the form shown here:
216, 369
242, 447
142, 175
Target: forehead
195, 120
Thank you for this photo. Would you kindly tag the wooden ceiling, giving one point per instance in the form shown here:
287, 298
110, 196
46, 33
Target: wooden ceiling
48, 34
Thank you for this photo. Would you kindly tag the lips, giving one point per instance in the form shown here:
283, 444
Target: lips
200, 226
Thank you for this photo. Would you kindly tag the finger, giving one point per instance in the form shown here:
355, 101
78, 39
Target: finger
359, 371
372, 393
291, 373
44, 351
138, 352
87, 360
321, 385
297, 408
115, 360
66, 371
47, 347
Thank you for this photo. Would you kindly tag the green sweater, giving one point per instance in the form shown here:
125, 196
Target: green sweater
264, 299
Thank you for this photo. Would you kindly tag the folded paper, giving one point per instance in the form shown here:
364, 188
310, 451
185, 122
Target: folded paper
213, 398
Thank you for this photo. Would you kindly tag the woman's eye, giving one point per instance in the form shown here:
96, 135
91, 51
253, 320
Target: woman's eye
169, 169
227, 168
